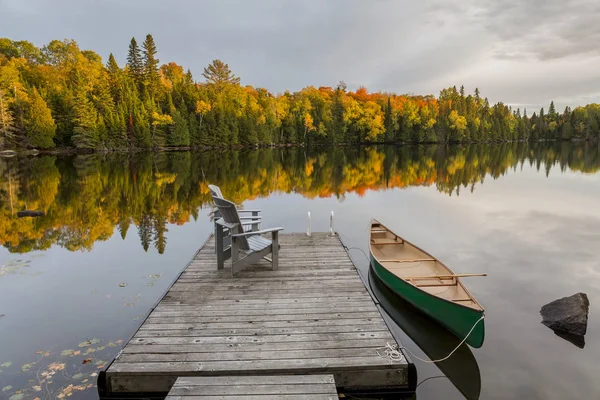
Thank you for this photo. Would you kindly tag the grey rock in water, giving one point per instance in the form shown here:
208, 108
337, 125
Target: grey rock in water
568, 315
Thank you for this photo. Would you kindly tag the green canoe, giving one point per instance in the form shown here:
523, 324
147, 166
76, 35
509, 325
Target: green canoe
427, 283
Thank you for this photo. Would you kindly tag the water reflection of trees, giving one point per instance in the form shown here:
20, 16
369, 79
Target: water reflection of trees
86, 197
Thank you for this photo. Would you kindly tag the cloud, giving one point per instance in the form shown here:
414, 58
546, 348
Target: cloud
543, 29
516, 51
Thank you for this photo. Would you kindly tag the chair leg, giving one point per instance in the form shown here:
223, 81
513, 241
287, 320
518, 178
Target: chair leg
234, 249
220, 248
216, 216
275, 250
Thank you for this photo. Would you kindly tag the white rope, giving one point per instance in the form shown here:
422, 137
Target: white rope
393, 353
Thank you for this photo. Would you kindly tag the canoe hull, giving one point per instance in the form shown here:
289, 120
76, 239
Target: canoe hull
456, 318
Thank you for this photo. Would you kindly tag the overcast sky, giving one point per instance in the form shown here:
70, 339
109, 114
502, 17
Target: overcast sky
522, 52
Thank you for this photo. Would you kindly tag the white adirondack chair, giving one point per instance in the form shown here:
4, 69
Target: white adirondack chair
222, 233
247, 247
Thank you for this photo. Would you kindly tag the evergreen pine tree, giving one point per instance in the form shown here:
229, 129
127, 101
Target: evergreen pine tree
151, 76
114, 79
179, 132
552, 112
134, 63
85, 134
219, 74
40, 126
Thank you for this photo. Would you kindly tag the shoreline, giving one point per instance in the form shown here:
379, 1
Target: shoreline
65, 151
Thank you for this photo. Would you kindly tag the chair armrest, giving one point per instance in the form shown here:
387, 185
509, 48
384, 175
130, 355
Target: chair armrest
250, 218
222, 222
257, 232
241, 211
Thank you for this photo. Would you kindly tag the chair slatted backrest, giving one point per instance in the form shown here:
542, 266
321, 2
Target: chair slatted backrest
216, 191
230, 215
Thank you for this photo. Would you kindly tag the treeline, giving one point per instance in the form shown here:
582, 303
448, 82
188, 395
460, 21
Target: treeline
89, 197
63, 96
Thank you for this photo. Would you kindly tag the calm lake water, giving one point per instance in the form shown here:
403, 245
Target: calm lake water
76, 283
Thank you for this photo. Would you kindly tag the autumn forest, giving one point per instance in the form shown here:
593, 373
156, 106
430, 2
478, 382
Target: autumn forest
65, 97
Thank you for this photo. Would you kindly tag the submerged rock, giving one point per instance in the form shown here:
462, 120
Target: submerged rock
30, 213
577, 340
567, 315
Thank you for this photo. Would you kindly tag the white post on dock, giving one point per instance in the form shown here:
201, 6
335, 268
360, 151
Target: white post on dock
309, 232
331, 231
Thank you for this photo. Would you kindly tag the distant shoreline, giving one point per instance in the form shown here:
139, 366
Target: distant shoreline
75, 151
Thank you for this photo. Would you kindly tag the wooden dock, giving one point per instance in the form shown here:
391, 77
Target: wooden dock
312, 316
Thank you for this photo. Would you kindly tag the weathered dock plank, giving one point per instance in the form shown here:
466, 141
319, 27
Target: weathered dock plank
312, 316
277, 387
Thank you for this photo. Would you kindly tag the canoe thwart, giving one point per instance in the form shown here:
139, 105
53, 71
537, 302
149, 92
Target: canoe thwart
413, 278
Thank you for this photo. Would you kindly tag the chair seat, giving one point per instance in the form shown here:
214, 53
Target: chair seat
257, 243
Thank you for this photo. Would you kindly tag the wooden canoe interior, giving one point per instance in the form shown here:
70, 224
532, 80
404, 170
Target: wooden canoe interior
405, 260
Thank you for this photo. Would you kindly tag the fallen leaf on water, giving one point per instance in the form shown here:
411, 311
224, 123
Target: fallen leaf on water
39, 352
6, 364
36, 398
26, 367
119, 341
89, 342
17, 396
78, 376
94, 374
100, 366
68, 352
122, 284
76, 353
85, 380
86, 361
37, 388
6, 388
46, 354
56, 366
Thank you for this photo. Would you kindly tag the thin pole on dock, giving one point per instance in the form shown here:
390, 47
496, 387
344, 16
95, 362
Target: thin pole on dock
309, 232
331, 231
